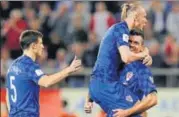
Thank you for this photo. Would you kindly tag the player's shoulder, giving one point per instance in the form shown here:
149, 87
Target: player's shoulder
16, 66
142, 68
121, 26
23, 62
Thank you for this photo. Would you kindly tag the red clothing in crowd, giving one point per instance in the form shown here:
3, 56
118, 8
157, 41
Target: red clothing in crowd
12, 36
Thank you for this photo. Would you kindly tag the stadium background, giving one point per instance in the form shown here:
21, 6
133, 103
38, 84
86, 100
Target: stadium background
76, 28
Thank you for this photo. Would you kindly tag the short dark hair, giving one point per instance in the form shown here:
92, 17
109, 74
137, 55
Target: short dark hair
29, 36
137, 32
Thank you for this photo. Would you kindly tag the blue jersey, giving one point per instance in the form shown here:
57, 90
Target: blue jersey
104, 87
22, 84
109, 63
138, 79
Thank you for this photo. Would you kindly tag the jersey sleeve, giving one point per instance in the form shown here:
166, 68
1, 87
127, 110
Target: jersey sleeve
35, 73
121, 36
146, 83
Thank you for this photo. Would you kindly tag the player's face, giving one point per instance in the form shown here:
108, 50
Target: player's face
136, 43
141, 19
39, 47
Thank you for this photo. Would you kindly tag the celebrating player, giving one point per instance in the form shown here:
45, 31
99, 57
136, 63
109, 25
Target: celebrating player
24, 77
113, 53
138, 79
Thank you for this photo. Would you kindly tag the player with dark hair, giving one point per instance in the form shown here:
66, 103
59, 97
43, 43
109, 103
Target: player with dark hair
24, 77
138, 78
114, 52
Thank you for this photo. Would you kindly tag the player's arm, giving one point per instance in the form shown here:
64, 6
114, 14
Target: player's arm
48, 80
148, 98
7, 100
148, 88
148, 102
127, 56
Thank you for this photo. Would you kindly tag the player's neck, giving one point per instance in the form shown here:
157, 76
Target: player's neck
30, 54
130, 23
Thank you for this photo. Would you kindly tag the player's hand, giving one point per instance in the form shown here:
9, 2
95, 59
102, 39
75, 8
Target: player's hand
120, 113
147, 60
88, 106
146, 51
75, 65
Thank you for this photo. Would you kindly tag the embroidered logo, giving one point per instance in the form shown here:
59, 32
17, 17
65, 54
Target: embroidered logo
125, 38
129, 76
38, 72
129, 98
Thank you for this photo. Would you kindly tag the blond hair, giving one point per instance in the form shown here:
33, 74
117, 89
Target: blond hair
128, 8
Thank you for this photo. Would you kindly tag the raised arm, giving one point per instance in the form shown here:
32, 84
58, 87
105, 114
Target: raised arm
48, 80
127, 56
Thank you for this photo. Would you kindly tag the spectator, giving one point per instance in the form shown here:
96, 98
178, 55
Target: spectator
148, 34
154, 50
78, 33
44, 16
34, 24
55, 43
170, 51
157, 18
61, 59
101, 20
29, 14
77, 48
5, 63
83, 15
12, 30
173, 21
60, 21
90, 55
5, 10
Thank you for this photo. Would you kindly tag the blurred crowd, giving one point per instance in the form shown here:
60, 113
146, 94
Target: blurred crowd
77, 27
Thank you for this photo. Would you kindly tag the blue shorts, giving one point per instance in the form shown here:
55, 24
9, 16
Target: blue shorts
111, 95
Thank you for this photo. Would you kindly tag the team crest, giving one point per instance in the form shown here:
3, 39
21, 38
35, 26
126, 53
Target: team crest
129, 98
129, 76
38, 72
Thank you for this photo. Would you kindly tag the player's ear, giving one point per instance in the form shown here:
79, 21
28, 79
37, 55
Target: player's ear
33, 46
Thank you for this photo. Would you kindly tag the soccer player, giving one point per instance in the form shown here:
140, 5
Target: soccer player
25, 76
138, 78
113, 53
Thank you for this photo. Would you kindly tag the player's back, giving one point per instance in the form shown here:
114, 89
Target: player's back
138, 78
23, 90
108, 61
